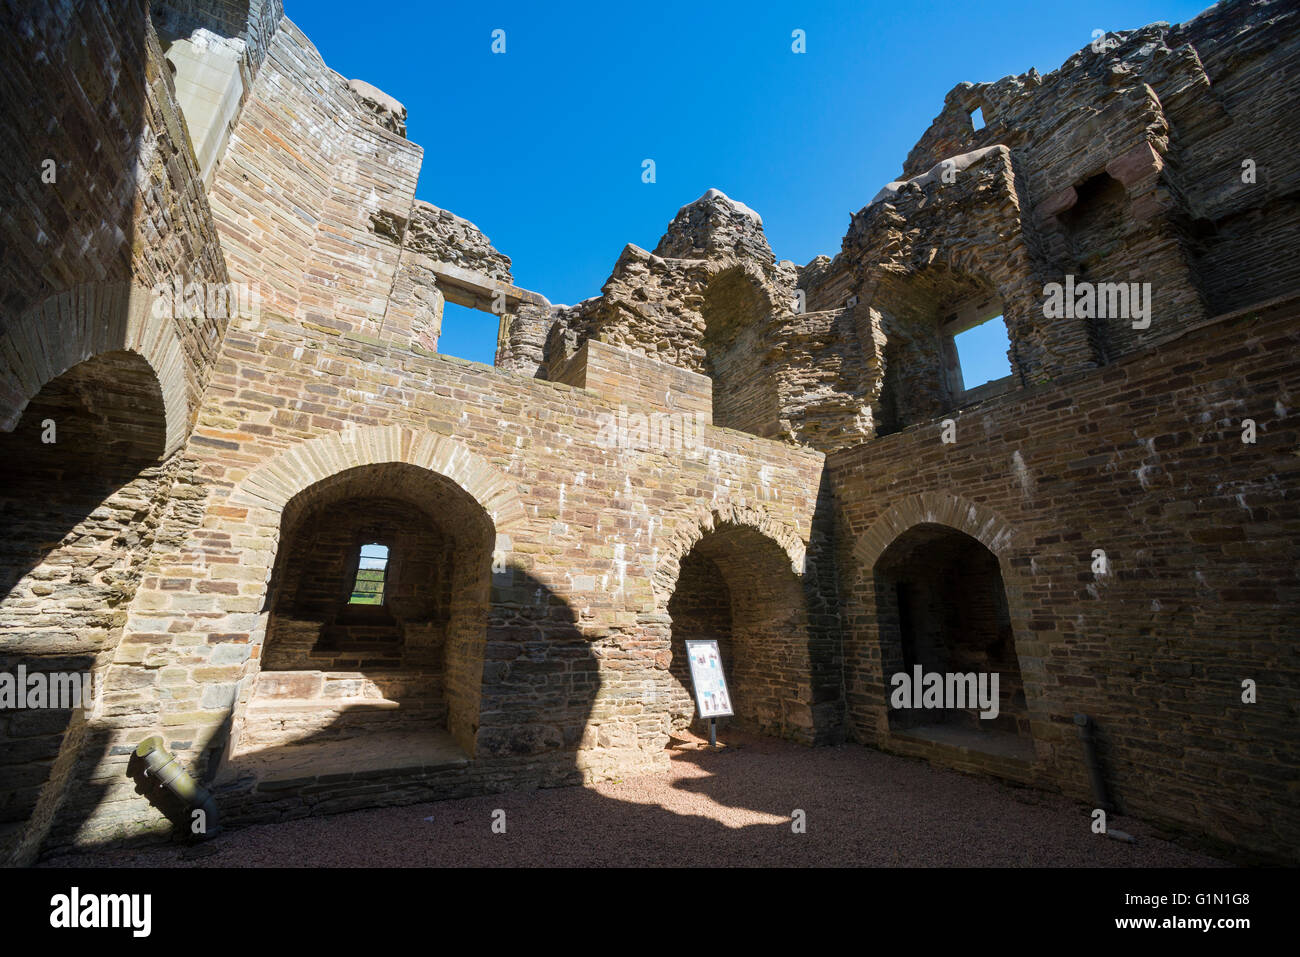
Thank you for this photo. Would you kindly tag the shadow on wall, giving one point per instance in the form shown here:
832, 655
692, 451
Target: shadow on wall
84, 442
71, 153
533, 700
455, 667
71, 148
80, 488
474, 681
462, 680
539, 690
544, 712
736, 586
509, 692
91, 149
777, 631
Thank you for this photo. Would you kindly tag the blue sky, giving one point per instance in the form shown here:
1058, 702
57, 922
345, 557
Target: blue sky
542, 146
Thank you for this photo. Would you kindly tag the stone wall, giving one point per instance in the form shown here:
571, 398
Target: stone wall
561, 670
446, 237
318, 571
253, 22
1145, 461
577, 653
387, 112
1125, 165
104, 354
819, 382
631, 378
314, 234
126, 204
561, 562
711, 299
73, 541
213, 50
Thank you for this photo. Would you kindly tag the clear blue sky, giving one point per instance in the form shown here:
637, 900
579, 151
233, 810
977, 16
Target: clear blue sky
542, 146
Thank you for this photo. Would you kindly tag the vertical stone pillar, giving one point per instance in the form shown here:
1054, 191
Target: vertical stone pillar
521, 340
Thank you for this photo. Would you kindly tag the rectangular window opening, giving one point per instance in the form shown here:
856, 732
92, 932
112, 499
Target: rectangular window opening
982, 352
368, 589
977, 118
468, 333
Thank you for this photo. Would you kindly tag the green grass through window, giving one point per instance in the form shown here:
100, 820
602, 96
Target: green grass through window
368, 589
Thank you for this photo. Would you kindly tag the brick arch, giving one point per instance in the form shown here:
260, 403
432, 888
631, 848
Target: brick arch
268, 490
940, 508
691, 529
79, 324
272, 486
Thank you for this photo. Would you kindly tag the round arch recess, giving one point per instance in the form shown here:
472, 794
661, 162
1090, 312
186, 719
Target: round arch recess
303, 465
268, 490
79, 324
738, 577
689, 531
936, 508
917, 544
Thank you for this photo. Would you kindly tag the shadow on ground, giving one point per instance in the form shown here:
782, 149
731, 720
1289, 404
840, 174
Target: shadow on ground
729, 808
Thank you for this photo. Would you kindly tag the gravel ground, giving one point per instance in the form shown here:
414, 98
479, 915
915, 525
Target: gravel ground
718, 809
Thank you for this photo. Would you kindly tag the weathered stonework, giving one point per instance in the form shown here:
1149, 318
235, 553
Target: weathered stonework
445, 237
388, 113
717, 445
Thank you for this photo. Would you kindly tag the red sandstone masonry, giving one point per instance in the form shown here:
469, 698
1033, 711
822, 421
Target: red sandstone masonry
586, 531
1145, 460
127, 211
559, 662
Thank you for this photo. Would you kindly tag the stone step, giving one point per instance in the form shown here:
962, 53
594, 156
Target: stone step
270, 707
346, 685
356, 771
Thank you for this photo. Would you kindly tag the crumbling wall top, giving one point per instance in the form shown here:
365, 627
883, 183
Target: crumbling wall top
388, 113
716, 225
443, 236
253, 22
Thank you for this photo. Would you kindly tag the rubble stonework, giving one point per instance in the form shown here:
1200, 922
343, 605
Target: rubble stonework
388, 113
192, 536
448, 238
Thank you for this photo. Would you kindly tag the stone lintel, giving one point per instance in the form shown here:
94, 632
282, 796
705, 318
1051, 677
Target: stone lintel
477, 291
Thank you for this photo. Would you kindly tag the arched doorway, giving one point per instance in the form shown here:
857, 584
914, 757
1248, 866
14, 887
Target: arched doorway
737, 586
942, 610
81, 488
377, 619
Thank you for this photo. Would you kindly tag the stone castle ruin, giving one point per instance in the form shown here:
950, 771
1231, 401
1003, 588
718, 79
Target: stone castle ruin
220, 385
